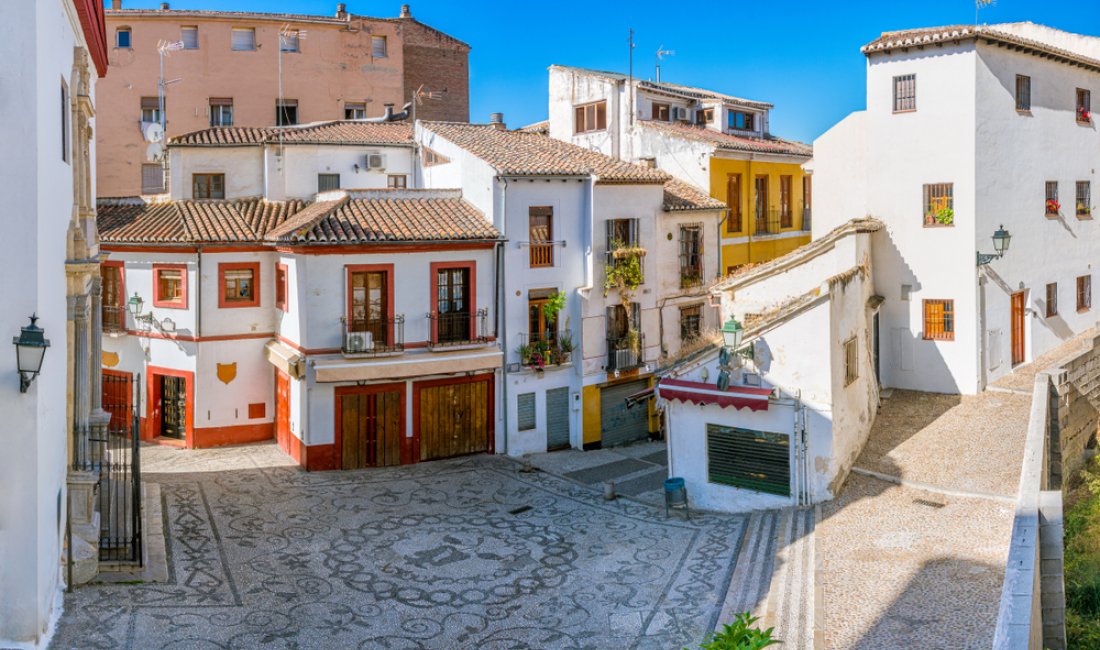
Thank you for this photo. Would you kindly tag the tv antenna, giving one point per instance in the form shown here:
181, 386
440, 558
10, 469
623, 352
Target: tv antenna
630, 84
422, 93
164, 50
286, 34
661, 53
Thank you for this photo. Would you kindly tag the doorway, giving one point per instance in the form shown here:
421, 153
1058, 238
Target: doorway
370, 425
1018, 328
172, 406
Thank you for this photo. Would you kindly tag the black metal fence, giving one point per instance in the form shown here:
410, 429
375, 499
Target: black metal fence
458, 328
113, 453
375, 335
625, 353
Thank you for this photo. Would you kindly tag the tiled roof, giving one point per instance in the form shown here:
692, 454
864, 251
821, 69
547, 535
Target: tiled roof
664, 86
520, 153
956, 33
374, 216
335, 132
242, 220
729, 142
542, 127
681, 196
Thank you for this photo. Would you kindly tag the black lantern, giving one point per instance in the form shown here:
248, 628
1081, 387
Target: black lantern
30, 349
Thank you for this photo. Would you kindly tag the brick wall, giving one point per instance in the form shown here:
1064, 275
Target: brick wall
441, 63
1076, 413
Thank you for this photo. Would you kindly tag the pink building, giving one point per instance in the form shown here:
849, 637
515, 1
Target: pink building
343, 66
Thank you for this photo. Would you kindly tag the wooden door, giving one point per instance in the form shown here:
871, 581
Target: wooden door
1017, 328
370, 428
173, 407
454, 419
282, 410
761, 204
118, 397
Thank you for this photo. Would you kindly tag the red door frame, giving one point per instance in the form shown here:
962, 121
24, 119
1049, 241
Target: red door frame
393, 387
486, 377
153, 398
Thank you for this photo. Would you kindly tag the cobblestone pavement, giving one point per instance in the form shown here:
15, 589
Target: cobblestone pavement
468, 553
638, 470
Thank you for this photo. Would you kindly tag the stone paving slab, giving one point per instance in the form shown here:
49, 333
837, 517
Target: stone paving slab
608, 471
649, 482
263, 555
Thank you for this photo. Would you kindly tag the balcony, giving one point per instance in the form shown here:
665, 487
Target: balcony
691, 275
374, 337
460, 329
114, 319
546, 352
625, 353
542, 254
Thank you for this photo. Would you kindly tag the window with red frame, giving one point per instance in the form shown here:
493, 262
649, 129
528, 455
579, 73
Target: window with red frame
280, 287
239, 284
170, 287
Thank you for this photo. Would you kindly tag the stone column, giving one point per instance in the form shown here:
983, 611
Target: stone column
78, 313
95, 360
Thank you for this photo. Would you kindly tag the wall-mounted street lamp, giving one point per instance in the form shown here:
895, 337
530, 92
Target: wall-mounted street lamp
135, 304
30, 349
733, 333
1001, 240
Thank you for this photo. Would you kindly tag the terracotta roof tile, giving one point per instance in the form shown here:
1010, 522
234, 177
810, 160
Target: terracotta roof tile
521, 153
728, 142
335, 132
179, 222
681, 196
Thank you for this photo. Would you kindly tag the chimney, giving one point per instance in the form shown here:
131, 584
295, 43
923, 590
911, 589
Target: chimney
496, 120
405, 13
164, 6
116, 4
341, 10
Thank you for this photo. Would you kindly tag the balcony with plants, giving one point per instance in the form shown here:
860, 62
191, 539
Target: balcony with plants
546, 345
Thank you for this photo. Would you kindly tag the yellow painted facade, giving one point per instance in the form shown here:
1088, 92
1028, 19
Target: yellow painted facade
749, 239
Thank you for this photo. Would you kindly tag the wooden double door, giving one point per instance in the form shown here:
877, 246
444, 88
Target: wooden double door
454, 417
370, 425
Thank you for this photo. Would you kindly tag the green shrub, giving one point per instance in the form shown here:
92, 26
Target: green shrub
739, 635
1082, 564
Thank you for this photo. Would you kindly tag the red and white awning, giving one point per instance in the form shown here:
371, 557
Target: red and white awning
696, 392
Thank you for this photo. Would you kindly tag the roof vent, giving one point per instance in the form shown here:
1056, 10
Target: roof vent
116, 4
497, 120
341, 10
164, 6
405, 13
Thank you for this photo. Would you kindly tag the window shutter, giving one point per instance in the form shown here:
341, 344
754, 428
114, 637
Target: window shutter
152, 103
525, 411
633, 233
190, 38
244, 39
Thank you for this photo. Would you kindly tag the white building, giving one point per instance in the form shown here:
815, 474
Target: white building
563, 210
780, 420
52, 54
968, 129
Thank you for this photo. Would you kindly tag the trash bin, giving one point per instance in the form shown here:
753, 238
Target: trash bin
676, 495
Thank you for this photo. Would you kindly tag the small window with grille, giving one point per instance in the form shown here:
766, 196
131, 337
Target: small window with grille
1084, 199
691, 322
905, 93
1023, 93
328, 182
939, 205
691, 255
851, 360
1053, 207
939, 320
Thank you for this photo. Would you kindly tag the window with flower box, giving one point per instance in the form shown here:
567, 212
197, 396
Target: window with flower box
939, 205
1053, 207
1084, 199
1084, 106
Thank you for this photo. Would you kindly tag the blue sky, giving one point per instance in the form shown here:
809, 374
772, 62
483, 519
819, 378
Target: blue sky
801, 56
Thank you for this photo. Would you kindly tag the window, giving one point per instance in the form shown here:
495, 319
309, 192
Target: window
1053, 207
905, 93
733, 200
152, 179
328, 182
691, 323
64, 121
622, 234
786, 213
590, 117
691, 255
239, 283
939, 320
355, 111
659, 112
150, 109
221, 111
618, 329
280, 287
397, 181
540, 227
1052, 299
1084, 293
243, 39
525, 411
741, 121
286, 112
1084, 198
754, 460
1023, 93
369, 303
851, 360
807, 201
123, 38
452, 308
431, 157
540, 327
704, 116
288, 40
939, 204
113, 303
1084, 106
208, 186
762, 225
190, 37
170, 286
378, 47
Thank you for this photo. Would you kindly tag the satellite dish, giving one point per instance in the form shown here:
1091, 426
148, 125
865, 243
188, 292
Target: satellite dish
154, 152
723, 380
152, 131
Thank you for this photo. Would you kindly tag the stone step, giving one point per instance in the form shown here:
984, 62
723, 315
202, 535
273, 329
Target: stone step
748, 589
790, 608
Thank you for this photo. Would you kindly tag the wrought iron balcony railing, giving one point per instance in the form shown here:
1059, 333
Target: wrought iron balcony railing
114, 319
374, 336
458, 328
625, 353
551, 349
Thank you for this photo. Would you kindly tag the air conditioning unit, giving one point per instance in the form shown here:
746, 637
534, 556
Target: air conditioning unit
376, 161
679, 113
358, 342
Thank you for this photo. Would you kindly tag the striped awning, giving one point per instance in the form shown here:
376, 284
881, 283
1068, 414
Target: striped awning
696, 392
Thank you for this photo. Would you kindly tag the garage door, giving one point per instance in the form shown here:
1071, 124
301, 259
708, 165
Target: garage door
618, 424
370, 428
454, 418
557, 418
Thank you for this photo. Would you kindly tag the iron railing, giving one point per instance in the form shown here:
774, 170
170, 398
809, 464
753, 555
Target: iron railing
773, 221
551, 349
625, 353
374, 336
114, 319
458, 328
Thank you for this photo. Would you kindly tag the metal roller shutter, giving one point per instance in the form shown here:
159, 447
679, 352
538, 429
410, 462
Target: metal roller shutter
754, 460
557, 418
618, 424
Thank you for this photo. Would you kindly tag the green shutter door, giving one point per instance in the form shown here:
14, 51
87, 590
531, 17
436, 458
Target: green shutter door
557, 418
618, 424
754, 460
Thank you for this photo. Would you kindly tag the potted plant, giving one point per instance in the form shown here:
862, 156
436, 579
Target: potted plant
944, 216
525, 352
1083, 114
1083, 210
565, 344
1053, 206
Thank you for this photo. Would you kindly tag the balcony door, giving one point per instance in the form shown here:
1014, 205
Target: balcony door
761, 203
452, 305
369, 305
114, 318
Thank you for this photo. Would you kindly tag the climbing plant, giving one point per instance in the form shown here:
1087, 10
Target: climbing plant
624, 272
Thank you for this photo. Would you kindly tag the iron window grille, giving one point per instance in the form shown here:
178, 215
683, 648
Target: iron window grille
905, 93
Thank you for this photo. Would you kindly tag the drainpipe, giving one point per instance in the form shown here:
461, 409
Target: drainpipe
502, 193
198, 298
719, 271
981, 331
587, 245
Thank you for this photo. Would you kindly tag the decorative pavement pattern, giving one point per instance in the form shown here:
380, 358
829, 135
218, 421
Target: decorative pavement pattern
467, 553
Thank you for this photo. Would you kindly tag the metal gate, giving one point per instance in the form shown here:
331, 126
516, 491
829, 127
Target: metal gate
114, 453
557, 418
618, 423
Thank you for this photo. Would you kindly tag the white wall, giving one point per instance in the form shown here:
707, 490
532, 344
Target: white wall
569, 89
685, 159
840, 173
243, 168
295, 176
474, 176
